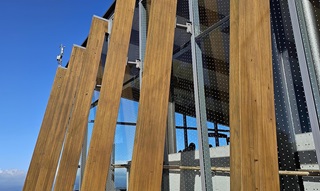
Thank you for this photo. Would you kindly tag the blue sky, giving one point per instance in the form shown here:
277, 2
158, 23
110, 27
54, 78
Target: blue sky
30, 35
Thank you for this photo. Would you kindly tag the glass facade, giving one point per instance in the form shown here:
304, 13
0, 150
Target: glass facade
207, 45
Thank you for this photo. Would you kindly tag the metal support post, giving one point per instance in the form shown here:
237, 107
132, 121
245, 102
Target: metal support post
143, 21
171, 129
200, 104
216, 133
185, 131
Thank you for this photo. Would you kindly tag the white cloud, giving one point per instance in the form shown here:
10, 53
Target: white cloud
12, 180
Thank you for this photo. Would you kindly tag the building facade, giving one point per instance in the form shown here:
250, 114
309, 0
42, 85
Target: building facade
243, 104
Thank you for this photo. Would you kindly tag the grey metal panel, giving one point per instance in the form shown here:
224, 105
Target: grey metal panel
304, 142
311, 179
309, 166
308, 157
314, 121
311, 186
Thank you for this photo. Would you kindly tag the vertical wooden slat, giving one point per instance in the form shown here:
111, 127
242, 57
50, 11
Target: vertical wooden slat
269, 132
147, 161
254, 159
31, 178
54, 141
78, 121
234, 102
98, 161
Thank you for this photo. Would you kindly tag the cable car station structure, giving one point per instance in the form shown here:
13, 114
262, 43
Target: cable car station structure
242, 76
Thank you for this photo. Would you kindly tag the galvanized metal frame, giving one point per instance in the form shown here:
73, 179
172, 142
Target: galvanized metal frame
314, 121
200, 103
143, 20
310, 43
312, 33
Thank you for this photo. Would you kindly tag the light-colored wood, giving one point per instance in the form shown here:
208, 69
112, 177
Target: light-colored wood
54, 141
147, 160
52, 108
78, 121
98, 162
234, 103
254, 158
268, 141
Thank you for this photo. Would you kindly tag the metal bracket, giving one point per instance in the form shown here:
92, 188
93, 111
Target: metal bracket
187, 26
137, 63
59, 57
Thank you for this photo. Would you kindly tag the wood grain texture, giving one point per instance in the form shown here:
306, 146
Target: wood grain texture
98, 162
254, 158
147, 161
54, 141
234, 103
78, 120
39, 151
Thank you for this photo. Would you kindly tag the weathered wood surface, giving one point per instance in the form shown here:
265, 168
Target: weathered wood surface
98, 162
54, 141
254, 158
39, 151
147, 160
78, 121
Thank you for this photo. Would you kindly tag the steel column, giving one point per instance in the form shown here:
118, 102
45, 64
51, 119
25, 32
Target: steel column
200, 103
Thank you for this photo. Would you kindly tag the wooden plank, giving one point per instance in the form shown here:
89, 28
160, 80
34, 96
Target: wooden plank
234, 103
33, 171
54, 141
98, 162
269, 132
254, 158
147, 161
78, 121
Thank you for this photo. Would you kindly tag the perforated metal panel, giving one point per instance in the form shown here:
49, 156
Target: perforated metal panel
215, 57
292, 115
211, 12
